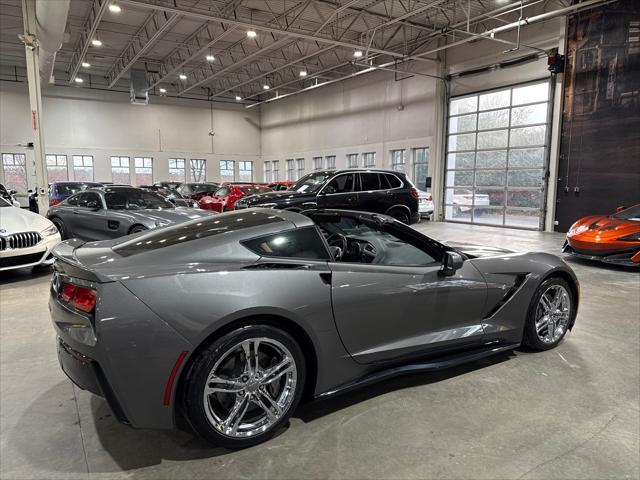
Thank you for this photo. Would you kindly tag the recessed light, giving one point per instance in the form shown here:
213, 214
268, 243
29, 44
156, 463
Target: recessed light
303, 73
210, 58
96, 43
266, 87
163, 90
86, 64
79, 80
115, 8
251, 33
238, 98
357, 53
183, 76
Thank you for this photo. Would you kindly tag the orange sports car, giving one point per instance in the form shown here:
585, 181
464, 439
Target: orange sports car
609, 238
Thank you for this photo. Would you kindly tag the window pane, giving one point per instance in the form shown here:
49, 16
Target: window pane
398, 160
492, 100
83, 168
331, 162
300, 167
227, 170
465, 123
352, 160
301, 243
291, 169
340, 184
529, 114
460, 160
524, 198
523, 218
526, 157
317, 163
493, 119
531, 94
521, 137
462, 142
198, 170
176, 170
493, 139
463, 105
525, 178
369, 181
491, 159
462, 178
120, 175
14, 166
490, 216
489, 197
57, 168
490, 178
369, 159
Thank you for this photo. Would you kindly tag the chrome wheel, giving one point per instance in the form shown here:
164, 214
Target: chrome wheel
552, 314
250, 387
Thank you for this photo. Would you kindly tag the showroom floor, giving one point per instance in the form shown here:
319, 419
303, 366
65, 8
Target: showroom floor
572, 412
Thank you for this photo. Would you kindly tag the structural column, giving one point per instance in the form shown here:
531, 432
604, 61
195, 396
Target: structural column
35, 99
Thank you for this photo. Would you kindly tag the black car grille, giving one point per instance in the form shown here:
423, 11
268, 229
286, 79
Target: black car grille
20, 260
20, 240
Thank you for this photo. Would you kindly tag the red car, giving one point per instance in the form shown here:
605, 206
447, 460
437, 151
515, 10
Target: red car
225, 197
609, 238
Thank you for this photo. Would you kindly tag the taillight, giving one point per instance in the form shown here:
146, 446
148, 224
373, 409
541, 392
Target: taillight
81, 298
54, 201
429, 197
415, 193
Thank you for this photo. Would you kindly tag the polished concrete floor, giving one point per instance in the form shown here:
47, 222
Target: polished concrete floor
572, 412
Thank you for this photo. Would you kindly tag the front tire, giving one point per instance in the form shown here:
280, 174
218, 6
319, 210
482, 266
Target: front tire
245, 386
550, 313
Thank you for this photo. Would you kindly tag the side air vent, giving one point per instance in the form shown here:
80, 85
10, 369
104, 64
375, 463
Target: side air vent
519, 280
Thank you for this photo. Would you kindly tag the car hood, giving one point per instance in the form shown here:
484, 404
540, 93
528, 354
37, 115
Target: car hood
14, 220
602, 227
478, 251
280, 197
170, 215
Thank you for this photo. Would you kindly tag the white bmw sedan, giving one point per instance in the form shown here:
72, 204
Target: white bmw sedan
26, 238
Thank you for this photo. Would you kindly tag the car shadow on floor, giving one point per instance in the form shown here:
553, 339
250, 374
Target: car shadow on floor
13, 277
115, 447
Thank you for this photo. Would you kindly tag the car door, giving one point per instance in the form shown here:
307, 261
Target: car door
339, 192
403, 306
371, 198
89, 217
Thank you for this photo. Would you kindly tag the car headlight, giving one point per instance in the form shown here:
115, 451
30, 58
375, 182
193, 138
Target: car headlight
52, 230
634, 237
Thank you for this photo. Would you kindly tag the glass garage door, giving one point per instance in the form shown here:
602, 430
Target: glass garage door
496, 151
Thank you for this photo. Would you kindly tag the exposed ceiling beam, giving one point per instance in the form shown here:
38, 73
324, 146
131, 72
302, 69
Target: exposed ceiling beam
152, 30
88, 31
248, 26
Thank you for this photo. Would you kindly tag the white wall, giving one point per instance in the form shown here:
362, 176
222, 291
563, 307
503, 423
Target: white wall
371, 113
102, 124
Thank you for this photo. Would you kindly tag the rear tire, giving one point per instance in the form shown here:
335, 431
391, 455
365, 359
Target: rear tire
551, 312
224, 378
400, 215
60, 226
137, 229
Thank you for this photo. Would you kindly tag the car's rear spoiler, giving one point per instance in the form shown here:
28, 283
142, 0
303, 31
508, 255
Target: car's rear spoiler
67, 262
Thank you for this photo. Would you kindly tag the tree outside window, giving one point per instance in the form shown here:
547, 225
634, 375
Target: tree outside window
198, 169
14, 167
57, 168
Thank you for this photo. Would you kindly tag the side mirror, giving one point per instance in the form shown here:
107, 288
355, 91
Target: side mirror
620, 208
451, 262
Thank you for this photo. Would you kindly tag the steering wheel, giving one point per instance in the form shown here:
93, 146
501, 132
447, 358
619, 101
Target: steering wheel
368, 251
340, 242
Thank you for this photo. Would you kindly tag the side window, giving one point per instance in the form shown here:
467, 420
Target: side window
221, 192
369, 181
340, 184
301, 243
73, 200
84, 199
392, 180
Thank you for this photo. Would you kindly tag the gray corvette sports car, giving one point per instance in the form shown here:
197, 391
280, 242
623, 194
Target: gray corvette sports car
229, 321
104, 213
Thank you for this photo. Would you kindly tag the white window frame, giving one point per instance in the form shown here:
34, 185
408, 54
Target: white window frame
369, 159
242, 170
275, 170
330, 162
399, 160
194, 163
352, 160
179, 165
227, 166
146, 163
266, 174
290, 165
318, 163
60, 162
85, 161
15, 164
120, 163
300, 164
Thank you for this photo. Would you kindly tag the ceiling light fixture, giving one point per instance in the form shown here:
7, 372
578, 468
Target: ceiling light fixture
96, 43
238, 98
357, 53
303, 73
266, 87
183, 76
79, 80
163, 90
251, 34
86, 64
210, 58
115, 8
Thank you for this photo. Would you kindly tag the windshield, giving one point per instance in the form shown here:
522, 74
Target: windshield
135, 200
206, 187
311, 183
4, 203
73, 188
631, 213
